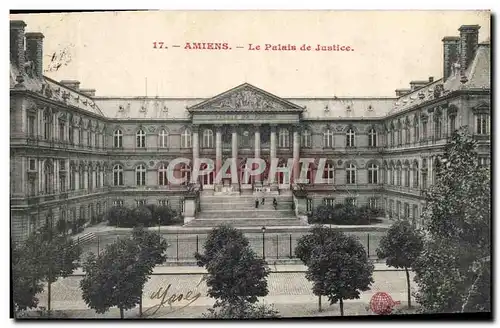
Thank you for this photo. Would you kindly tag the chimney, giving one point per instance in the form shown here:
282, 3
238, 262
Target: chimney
468, 44
17, 43
88, 92
451, 50
34, 52
72, 84
402, 92
414, 85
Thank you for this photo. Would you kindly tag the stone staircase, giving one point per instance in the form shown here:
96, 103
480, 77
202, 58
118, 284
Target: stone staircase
239, 210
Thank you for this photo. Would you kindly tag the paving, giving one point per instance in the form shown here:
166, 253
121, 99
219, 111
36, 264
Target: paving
287, 285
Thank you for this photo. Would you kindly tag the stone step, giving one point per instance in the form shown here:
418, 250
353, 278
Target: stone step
246, 214
245, 222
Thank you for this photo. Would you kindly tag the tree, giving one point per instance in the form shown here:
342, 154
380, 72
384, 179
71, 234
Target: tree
43, 257
236, 277
217, 239
457, 222
140, 215
337, 264
400, 248
117, 276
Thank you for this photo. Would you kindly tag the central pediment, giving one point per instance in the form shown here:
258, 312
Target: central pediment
245, 97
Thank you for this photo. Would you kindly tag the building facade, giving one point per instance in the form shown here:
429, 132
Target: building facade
75, 154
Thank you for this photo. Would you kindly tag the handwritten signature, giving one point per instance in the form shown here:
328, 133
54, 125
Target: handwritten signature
161, 294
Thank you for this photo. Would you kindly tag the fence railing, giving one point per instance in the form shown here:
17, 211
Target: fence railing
276, 246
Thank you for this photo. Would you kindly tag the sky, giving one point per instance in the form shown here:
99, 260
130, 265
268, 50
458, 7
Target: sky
113, 52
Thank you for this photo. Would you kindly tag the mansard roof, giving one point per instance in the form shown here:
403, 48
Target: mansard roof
53, 90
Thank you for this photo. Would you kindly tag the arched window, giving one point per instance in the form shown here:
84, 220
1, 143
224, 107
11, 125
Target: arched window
47, 125
306, 139
407, 176
372, 138
117, 139
98, 177
117, 175
351, 174
208, 138
398, 175
372, 173
415, 175
162, 175
186, 139
284, 138
329, 173
416, 130
140, 139
437, 127
48, 178
328, 138
185, 174
350, 138
163, 139
390, 174
407, 137
140, 175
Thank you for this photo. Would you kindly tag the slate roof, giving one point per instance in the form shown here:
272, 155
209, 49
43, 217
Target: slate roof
55, 91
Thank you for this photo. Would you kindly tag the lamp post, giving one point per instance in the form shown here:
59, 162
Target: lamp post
263, 243
158, 224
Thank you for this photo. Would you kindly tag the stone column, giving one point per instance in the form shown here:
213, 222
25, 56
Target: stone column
272, 153
218, 148
196, 148
257, 148
296, 153
234, 152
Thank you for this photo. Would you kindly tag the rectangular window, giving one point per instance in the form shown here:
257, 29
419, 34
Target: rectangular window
424, 131
416, 132
309, 205
118, 202
398, 209
31, 126
482, 122
373, 203
452, 123
350, 201
140, 202
61, 131
32, 164
163, 202
329, 201
407, 210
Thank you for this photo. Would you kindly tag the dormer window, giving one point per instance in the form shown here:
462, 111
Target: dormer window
121, 108
327, 109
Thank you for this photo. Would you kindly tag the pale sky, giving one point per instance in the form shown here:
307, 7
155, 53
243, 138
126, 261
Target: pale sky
113, 52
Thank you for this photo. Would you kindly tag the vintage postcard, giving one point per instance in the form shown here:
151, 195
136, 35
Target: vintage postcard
250, 164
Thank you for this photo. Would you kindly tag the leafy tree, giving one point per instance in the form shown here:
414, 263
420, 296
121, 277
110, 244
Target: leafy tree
236, 277
26, 280
337, 264
457, 221
43, 257
117, 276
165, 213
242, 311
400, 248
113, 278
217, 239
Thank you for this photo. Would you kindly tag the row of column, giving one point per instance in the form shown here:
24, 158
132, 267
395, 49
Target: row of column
234, 146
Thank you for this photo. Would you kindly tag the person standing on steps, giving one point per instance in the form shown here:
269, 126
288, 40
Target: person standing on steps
262, 201
256, 203
275, 203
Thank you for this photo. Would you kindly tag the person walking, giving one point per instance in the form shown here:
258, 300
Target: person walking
262, 201
275, 203
256, 203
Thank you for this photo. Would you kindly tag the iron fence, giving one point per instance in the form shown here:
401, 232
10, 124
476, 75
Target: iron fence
275, 246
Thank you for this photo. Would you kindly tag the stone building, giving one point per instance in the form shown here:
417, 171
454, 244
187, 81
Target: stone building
75, 154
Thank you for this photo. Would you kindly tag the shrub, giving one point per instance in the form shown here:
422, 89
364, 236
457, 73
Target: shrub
345, 214
117, 215
140, 215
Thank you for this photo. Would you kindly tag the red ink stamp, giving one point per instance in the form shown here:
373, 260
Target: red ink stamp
382, 303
